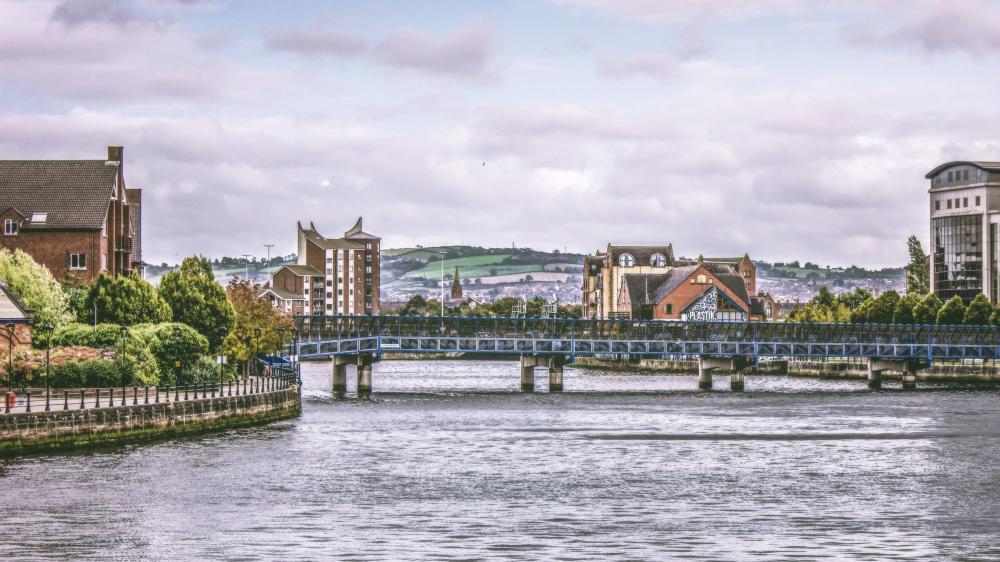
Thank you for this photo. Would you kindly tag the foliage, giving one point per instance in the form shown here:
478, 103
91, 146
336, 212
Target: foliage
140, 365
995, 316
904, 309
205, 369
86, 374
174, 347
126, 300
37, 289
952, 312
918, 270
259, 327
77, 299
197, 300
877, 311
978, 312
824, 307
104, 336
926, 311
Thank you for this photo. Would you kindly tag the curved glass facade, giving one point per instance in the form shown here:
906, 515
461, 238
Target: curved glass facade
958, 256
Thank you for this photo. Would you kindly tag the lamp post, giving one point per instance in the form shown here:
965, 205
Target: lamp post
48, 373
223, 331
122, 354
10, 355
177, 361
256, 338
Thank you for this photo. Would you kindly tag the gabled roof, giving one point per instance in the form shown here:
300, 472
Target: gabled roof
72, 193
302, 270
676, 276
641, 253
282, 294
642, 287
743, 306
985, 166
356, 233
328, 243
11, 305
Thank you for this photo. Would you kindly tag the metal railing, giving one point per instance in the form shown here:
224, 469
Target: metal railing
37, 400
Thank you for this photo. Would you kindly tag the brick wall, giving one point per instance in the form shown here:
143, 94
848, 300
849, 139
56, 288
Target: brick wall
686, 293
53, 248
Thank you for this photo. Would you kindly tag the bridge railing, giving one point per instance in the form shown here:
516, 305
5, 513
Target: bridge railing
325, 328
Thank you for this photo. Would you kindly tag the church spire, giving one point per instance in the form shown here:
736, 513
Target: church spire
456, 286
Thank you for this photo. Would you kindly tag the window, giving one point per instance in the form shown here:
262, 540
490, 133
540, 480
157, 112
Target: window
104, 262
626, 260
658, 260
9, 227
950, 176
702, 279
340, 291
977, 201
669, 309
965, 174
340, 280
965, 201
958, 256
39, 218
949, 203
937, 205
78, 261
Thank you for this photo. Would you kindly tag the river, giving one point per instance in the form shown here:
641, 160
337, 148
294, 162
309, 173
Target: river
449, 462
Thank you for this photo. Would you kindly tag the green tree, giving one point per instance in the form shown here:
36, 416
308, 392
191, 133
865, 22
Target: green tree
978, 312
197, 300
36, 287
126, 300
877, 311
995, 315
918, 270
926, 311
952, 312
904, 310
259, 328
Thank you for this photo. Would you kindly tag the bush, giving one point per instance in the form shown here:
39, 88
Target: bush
86, 374
205, 369
105, 336
172, 344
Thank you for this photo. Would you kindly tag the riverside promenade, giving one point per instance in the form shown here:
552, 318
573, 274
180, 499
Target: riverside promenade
102, 417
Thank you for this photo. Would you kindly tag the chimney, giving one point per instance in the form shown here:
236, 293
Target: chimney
115, 153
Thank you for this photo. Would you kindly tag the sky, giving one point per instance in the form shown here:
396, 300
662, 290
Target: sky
783, 129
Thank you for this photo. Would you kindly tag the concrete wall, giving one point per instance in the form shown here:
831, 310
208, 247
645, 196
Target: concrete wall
76, 429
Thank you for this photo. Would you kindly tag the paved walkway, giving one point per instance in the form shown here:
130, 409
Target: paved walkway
90, 398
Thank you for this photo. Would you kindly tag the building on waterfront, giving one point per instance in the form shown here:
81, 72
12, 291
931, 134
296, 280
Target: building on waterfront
73, 216
964, 219
15, 321
613, 278
333, 276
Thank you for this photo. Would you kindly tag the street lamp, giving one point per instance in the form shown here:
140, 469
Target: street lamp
48, 373
177, 360
124, 339
256, 338
223, 331
10, 355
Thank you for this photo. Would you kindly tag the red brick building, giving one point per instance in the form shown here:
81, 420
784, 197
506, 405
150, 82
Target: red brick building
333, 276
73, 216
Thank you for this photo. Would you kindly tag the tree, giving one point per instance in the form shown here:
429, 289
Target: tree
37, 289
952, 312
926, 311
126, 300
877, 311
258, 329
904, 310
197, 300
995, 316
978, 312
918, 270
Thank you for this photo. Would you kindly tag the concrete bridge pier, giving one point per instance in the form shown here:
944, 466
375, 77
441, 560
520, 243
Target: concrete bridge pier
907, 367
364, 376
555, 374
528, 365
735, 366
340, 375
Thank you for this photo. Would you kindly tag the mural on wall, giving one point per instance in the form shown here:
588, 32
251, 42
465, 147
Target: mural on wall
706, 308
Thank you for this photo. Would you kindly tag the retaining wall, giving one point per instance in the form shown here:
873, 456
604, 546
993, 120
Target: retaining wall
75, 429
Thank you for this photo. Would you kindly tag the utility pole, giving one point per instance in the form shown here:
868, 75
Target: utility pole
246, 266
269, 246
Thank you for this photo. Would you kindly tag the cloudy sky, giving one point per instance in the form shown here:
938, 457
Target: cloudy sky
786, 129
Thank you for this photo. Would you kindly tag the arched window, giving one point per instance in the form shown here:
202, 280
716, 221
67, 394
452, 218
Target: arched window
626, 260
658, 260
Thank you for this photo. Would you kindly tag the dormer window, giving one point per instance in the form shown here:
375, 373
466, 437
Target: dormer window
39, 218
658, 260
626, 260
10, 227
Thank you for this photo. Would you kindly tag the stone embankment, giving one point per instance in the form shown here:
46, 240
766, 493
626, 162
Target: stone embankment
39, 431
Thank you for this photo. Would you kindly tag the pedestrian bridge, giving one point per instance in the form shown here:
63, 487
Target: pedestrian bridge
554, 342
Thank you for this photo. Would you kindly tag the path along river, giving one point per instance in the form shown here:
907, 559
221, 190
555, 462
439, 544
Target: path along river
450, 463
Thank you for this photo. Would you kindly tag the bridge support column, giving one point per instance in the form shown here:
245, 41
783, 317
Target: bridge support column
910, 378
874, 377
364, 376
528, 365
908, 368
704, 376
555, 374
340, 375
736, 381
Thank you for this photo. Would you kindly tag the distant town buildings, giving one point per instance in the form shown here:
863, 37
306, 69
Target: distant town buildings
75, 217
964, 217
648, 282
333, 276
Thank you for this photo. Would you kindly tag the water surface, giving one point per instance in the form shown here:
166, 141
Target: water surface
450, 462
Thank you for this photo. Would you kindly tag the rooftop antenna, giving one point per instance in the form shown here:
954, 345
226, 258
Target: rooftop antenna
269, 246
246, 266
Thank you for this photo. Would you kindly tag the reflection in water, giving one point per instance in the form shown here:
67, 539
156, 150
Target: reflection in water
450, 463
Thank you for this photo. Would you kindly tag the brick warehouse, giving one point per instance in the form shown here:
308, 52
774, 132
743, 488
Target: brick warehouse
75, 217
333, 275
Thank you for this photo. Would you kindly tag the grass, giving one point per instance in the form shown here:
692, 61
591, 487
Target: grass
472, 266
